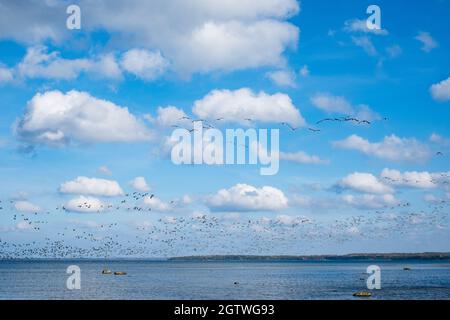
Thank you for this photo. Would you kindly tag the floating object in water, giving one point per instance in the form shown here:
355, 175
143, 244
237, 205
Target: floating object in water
362, 294
406, 268
106, 271
236, 282
120, 273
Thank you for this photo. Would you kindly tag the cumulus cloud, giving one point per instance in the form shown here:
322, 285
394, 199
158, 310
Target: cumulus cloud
408, 179
26, 206
156, 204
170, 116
441, 90
144, 64
85, 205
237, 105
282, 78
244, 197
428, 43
198, 36
301, 157
340, 105
415, 179
38, 63
56, 119
390, 148
370, 201
252, 45
365, 183
140, 184
92, 186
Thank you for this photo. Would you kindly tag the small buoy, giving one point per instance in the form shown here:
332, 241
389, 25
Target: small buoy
106, 271
236, 282
363, 294
120, 273
406, 268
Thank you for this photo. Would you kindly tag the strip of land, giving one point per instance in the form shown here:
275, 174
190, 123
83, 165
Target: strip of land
349, 257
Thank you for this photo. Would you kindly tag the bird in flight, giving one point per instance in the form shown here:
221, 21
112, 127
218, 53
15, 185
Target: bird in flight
289, 126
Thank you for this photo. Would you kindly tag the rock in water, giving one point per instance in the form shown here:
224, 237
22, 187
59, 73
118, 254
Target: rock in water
362, 294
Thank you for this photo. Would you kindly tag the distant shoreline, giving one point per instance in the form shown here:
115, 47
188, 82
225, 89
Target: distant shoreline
348, 257
424, 256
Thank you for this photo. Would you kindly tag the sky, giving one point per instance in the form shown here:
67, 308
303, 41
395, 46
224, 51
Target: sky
86, 117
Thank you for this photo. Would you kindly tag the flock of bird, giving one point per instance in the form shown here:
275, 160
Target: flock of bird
208, 125
165, 236
53, 237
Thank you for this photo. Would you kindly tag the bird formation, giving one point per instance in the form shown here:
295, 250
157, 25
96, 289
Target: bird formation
207, 125
205, 233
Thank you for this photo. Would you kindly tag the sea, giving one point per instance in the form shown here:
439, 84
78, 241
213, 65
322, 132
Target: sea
230, 280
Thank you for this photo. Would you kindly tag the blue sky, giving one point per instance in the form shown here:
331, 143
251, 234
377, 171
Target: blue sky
84, 112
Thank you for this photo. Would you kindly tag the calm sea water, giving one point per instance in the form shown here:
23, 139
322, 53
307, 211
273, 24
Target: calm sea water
216, 280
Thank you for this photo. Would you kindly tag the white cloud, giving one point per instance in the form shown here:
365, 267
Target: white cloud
370, 201
144, 64
55, 118
140, 184
156, 204
390, 148
365, 43
38, 63
24, 226
428, 43
198, 36
415, 179
408, 179
441, 91
92, 186
25, 206
301, 157
365, 183
6, 74
436, 138
169, 116
244, 197
236, 106
283, 78
85, 205
252, 45
339, 104
360, 26
332, 104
